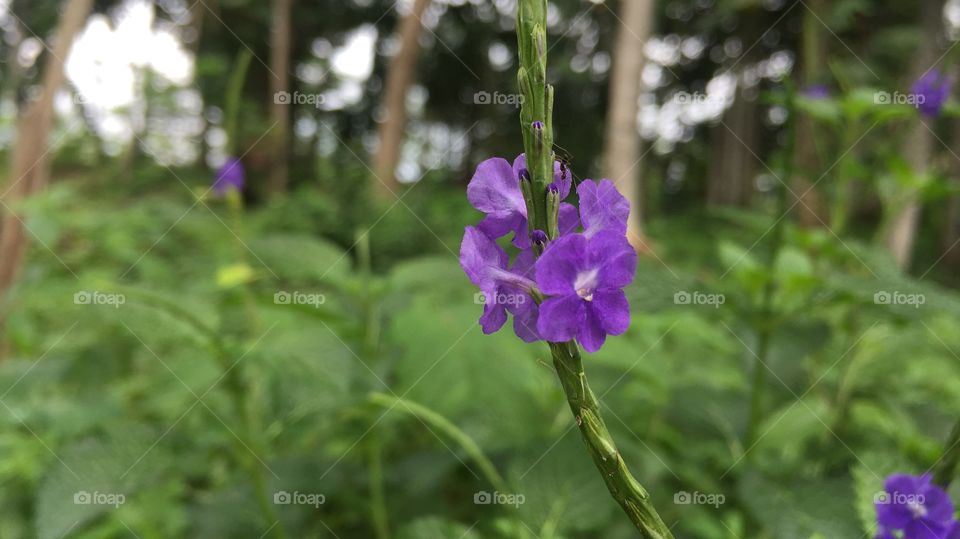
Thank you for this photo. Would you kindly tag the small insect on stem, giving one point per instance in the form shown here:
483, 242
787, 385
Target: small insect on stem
562, 156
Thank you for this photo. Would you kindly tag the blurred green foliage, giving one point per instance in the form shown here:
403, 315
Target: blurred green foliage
139, 398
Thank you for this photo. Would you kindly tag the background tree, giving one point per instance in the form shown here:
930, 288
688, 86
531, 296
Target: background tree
29, 165
622, 139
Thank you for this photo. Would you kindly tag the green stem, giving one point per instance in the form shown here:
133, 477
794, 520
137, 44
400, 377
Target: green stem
632, 497
444, 425
946, 468
757, 389
378, 505
536, 124
247, 444
766, 316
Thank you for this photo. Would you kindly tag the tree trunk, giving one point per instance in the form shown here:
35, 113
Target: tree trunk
280, 39
733, 164
399, 78
918, 149
623, 144
812, 210
29, 170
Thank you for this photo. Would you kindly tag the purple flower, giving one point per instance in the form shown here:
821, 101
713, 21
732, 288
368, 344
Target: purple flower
229, 176
485, 263
602, 207
816, 91
525, 312
916, 506
584, 277
931, 92
495, 190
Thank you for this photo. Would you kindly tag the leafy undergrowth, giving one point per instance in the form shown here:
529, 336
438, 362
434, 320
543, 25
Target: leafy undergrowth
133, 391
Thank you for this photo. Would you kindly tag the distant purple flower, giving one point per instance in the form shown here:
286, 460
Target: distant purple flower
584, 277
931, 92
485, 263
602, 207
495, 190
230, 175
914, 505
816, 91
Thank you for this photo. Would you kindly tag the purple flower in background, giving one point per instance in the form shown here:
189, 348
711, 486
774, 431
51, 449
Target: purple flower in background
584, 277
816, 91
602, 207
230, 175
495, 190
485, 263
931, 92
914, 505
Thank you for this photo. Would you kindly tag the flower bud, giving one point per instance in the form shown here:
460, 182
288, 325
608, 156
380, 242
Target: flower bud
553, 209
538, 238
537, 126
526, 188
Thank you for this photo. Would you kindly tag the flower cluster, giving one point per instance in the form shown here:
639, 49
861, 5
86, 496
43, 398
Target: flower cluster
912, 507
574, 288
932, 91
230, 177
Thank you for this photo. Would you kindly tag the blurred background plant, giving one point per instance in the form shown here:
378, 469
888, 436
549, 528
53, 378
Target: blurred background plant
302, 357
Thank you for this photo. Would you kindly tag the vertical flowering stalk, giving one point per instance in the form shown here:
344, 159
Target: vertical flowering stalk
581, 273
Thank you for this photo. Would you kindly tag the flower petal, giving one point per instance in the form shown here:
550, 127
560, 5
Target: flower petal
525, 320
568, 220
501, 223
590, 334
560, 317
612, 310
615, 258
558, 266
495, 188
602, 207
524, 263
925, 529
478, 253
493, 318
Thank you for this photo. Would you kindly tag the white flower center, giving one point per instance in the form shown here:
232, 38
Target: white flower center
917, 509
585, 283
